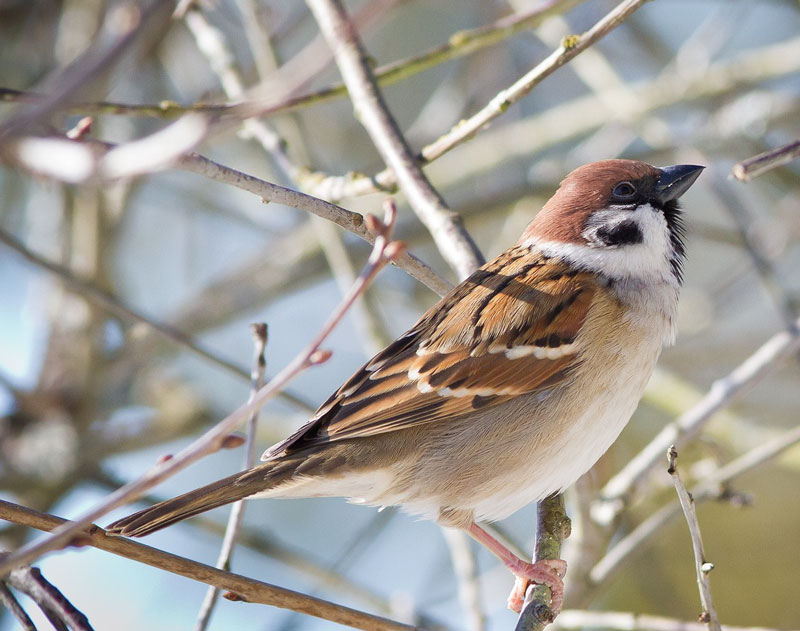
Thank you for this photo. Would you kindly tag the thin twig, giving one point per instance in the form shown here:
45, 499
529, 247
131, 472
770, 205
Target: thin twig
453, 241
115, 307
462, 557
552, 528
745, 170
767, 358
250, 590
11, 603
711, 488
58, 609
382, 253
236, 516
702, 566
577, 619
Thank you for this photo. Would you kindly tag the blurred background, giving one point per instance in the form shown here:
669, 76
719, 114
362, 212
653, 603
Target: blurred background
89, 399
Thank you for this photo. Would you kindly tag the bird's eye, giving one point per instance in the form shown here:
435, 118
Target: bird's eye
624, 190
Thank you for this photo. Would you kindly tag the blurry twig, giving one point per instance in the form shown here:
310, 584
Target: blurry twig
257, 373
760, 164
453, 241
469, 594
577, 620
351, 221
723, 392
552, 528
250, 590
712, 487
126, 24
383, 251
702, 567
115, 307
61, 613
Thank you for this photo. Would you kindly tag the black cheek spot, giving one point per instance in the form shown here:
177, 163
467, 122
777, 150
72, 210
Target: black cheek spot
624, 233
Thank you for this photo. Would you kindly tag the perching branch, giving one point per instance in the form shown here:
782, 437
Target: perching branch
702, 566
383, 251
552, 528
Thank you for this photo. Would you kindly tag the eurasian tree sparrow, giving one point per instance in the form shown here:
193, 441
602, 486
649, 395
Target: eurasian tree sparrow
510, 387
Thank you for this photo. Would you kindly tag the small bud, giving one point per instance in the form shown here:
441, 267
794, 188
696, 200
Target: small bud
233, 596
231, 441
374, 225
706, 567
320, 356
394, 249
164, 458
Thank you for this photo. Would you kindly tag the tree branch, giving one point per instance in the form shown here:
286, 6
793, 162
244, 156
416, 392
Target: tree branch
250, 590
453, 241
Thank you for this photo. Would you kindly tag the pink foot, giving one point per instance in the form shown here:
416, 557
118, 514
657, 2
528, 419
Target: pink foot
547, 572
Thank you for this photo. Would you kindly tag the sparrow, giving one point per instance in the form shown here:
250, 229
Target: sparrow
509, 388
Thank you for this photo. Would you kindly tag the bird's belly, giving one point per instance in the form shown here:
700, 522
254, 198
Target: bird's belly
581, 435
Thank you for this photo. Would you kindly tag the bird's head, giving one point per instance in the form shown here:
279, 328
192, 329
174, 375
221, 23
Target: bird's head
619, 218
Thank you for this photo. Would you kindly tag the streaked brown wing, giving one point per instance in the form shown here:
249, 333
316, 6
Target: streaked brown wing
509, 329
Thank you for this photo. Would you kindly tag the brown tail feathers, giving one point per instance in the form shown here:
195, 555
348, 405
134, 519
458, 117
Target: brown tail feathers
219, 493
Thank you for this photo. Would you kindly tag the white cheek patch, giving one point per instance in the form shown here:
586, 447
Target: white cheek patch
646, 261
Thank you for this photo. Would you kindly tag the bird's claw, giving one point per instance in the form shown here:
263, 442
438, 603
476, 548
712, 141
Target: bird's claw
546, 572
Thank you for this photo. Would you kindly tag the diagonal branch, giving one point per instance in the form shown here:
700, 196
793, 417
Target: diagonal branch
249, 589
763, 162
453, 241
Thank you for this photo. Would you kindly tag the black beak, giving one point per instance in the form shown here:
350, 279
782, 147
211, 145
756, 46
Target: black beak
674, 181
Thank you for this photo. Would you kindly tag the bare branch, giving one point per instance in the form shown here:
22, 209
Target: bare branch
12, 604
576, 619
58, 609
251, 591
382, 253
745, 170
702, 566
257, 373
454, 243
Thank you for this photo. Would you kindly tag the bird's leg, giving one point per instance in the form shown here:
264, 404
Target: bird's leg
546, 572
